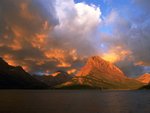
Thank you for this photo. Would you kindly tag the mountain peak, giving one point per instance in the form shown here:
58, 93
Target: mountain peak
98, 62
99, 67
145, 78
95, 60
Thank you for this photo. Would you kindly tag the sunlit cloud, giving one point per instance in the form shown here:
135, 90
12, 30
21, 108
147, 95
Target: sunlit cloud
46, 36
116, 54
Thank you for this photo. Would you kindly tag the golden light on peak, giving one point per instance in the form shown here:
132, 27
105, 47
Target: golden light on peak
111, 57
116, 54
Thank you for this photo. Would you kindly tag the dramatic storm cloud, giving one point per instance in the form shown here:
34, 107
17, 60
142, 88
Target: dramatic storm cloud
48, 35
44, 36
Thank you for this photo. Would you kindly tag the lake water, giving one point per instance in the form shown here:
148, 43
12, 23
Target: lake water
74, 101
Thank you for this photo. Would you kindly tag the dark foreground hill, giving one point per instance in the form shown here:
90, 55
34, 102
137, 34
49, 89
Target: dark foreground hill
16, 78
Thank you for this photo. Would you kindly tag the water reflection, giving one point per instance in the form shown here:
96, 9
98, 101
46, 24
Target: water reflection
76, 101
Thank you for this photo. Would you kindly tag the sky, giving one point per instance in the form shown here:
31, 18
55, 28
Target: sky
44, 36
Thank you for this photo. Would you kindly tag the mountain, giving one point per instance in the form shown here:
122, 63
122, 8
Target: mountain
145, 78
51, 80
98, 73
100, 68
12, 77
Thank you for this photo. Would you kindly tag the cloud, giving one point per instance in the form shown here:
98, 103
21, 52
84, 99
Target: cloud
130, 32
45, 36
77, 25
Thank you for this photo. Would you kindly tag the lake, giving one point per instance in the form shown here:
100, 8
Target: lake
74, 101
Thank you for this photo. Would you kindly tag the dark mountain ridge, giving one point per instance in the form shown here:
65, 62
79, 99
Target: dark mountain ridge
12, 77
61, 77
